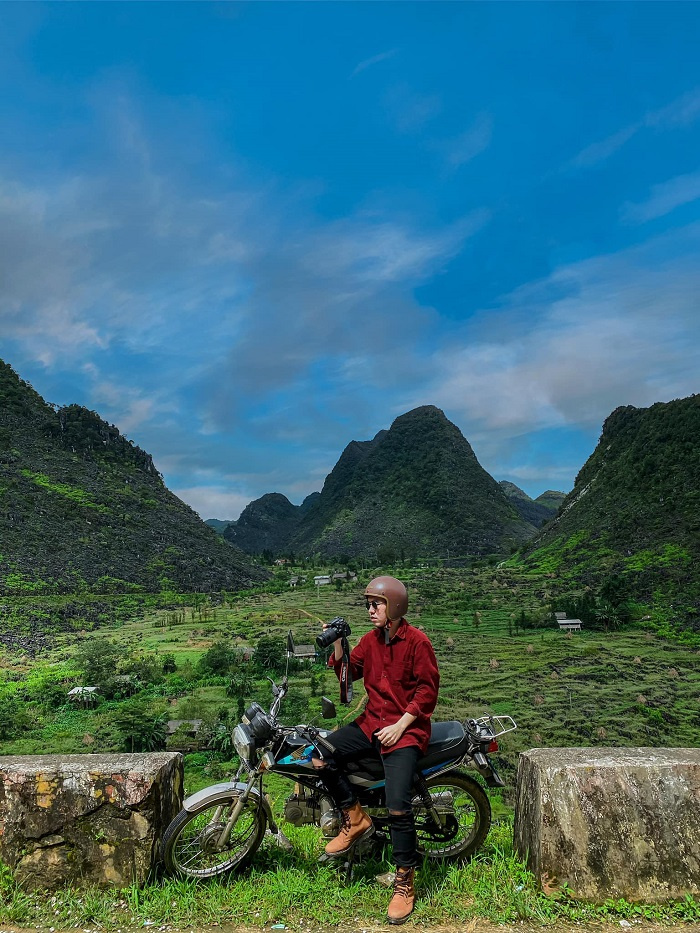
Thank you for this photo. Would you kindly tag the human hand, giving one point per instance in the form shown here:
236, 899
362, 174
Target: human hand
390, 735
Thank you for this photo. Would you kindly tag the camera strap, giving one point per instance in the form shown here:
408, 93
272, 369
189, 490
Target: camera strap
345, 674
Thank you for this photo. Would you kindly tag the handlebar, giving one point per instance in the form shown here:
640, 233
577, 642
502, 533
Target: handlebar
279, 693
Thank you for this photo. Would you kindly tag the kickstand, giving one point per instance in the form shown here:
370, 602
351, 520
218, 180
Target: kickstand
345, 864
349, 866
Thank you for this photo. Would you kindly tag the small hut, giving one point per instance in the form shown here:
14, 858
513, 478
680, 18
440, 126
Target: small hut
84, 696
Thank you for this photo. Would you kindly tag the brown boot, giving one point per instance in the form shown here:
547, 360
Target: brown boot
356, 825
401, 904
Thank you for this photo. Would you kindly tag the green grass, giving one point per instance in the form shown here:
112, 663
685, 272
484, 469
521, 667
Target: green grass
291, 888
74, 493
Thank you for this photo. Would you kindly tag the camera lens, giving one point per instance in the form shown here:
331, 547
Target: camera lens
327, 637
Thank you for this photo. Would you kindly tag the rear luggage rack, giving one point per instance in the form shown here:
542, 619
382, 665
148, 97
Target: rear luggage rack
490, 727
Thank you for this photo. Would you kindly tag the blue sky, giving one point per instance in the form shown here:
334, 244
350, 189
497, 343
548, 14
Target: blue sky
247, 234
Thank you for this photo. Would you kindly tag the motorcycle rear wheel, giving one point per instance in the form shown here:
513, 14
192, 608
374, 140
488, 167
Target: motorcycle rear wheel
190, 842
464, 803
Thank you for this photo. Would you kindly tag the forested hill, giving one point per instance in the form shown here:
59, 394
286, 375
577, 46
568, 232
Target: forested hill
534, 511
634, 512
416, 489
82, 505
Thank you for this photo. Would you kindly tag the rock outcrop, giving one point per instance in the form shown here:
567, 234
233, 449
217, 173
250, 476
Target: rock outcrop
611, 822
86, 819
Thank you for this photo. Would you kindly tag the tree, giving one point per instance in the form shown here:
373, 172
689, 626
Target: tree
221, 741
144, 668
314, 683
608, 615
295, 708
13, 717
199, 601
219, 659
139, 729
241, 684
270, 655
98, 659
614, 590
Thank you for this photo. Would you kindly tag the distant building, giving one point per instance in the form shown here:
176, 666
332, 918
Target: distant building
126, 684
84, 696
570, 625
183, 735
345, 575
559, 615
322, 580
305, 652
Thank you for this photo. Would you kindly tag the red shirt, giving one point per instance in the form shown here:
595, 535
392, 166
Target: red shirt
401, 677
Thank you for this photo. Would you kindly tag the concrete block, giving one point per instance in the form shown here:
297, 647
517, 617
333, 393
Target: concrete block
81, 819
609, 822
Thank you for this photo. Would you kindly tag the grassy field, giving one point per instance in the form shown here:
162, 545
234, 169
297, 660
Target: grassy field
629, 687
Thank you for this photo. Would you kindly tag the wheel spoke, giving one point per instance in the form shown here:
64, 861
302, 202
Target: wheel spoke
191, 848
465, 815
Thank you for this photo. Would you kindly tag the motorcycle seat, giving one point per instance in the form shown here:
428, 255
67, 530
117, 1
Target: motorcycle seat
447, 740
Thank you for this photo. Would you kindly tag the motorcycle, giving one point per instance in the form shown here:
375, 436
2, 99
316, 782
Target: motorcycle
220, 828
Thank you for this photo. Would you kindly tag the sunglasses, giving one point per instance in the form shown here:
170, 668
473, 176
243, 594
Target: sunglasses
374, 603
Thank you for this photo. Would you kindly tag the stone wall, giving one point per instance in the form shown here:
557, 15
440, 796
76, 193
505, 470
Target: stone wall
611, 822
81, 819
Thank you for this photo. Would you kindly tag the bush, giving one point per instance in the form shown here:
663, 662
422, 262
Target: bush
219, 659
270, 655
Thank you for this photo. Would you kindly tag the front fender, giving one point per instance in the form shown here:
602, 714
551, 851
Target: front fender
220, 793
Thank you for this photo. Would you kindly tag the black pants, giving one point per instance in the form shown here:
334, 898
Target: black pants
351, 744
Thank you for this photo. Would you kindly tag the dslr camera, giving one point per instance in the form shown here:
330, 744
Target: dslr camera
337, 628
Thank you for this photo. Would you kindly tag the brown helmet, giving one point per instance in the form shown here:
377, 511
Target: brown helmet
393, 592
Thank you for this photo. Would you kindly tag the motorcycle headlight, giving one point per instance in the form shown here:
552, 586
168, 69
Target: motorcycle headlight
259, 723
243, 742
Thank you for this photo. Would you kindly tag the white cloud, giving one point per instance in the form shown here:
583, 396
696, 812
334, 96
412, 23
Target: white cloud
375, 60
213, 501
603, 149
131, 406
468, 145
371, 250
614, 330
664, 198
681, 112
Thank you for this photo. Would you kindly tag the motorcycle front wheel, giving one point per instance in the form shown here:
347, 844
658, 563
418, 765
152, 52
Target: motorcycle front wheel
465, 812
191, 842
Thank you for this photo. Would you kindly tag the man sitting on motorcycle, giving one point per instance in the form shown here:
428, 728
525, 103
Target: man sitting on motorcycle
397, 662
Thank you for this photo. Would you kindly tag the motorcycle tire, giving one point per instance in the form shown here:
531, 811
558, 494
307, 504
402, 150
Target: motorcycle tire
467, 810
190, 842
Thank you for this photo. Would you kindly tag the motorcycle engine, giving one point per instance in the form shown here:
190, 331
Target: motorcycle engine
301, 809
329, 820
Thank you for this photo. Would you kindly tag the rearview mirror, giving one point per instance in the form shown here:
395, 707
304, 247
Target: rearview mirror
290, 644
328, 708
